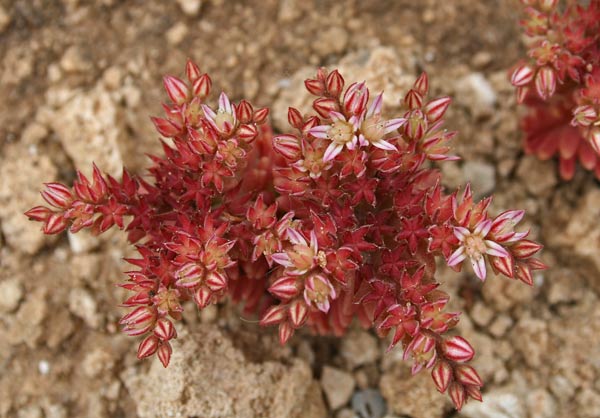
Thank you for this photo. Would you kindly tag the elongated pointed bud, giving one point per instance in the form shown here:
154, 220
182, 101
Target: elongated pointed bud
504, 265
298, 313
139, 321
147, 347
457, 349
244, 112
192, 71
467, 375
201, 86
435, 109
274, 315
165, 330
356, 98
164, 353
524, 273
335, 83
202, 297
285, 332
38, 213
314, 87
288, 146
525, 248
474, 392
216, 281
442, 375
413, 99
57, 195
422, 84
457, 394
176, 89
295, 118
165, 127
55, 223
522, 76
260, 115
545, 82
284, 288
324, 105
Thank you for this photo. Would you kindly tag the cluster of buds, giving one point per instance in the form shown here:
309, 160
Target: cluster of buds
340, 218
560, 83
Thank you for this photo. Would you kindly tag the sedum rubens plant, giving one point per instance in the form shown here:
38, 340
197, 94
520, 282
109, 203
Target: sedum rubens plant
560, 83
340, 218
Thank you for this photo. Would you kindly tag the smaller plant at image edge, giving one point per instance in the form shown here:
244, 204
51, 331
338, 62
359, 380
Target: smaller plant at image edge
559, 83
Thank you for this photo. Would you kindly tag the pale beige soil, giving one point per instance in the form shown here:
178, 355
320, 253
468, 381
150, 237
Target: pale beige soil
78, 80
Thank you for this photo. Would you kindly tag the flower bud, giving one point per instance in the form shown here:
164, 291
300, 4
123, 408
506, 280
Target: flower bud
247, 133
164, 353
285, 332
413, 99
335, 83
457, 349
216, 281
201, 86
189, 275
356, 98
457, 394
525, 248
441, 374
298, 312
274, 315
147, 347
260, 115
323, 106
422, 84
522, 76
435, 109
192, 71
176, 89
38, 213
284, 288
55, 223
545, 82
295, 118
202, 297
314, 87
166, 128
467, 375
165, 330
244, 111
288, 146
57, 195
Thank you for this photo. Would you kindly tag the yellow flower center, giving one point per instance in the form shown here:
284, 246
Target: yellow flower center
341, 132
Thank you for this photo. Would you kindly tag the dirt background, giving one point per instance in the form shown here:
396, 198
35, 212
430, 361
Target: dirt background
78, 80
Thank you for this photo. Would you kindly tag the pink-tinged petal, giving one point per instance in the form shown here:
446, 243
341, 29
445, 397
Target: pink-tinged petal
314, 244
375, 107
393, 124
382, 144
495, 249
224, 103
324, 306
320, 131
332, 151
479, 268
461, 232
333, 115
457, 256
351, 145
209, 114
362, 141
483, 227
296, 237
282, 259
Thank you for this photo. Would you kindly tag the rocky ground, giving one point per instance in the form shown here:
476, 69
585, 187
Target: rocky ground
78, 81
